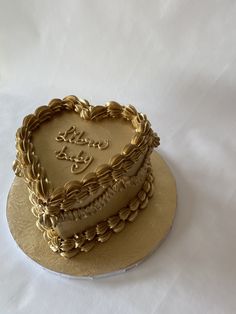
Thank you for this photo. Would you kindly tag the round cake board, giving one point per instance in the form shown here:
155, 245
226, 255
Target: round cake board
121, 252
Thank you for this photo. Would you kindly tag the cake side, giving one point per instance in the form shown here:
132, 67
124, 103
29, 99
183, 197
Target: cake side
102, 231
117, 196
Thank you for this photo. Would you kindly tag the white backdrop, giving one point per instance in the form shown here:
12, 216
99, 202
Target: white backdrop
174, 60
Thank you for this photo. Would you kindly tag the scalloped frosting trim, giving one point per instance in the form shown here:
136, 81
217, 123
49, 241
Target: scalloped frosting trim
102, 200
95, 206
101, 232
28, 166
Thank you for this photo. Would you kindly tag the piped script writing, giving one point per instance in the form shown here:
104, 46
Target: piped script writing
82, 160
75, 136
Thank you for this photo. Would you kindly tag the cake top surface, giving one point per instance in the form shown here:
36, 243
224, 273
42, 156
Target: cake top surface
70, 147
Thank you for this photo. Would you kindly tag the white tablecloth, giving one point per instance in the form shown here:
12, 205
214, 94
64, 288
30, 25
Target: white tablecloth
175, 61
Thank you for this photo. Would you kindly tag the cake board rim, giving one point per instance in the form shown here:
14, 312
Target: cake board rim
121, 252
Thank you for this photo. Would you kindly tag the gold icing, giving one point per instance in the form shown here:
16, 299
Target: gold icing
82, 160
72, 103
101, 232
77, 160
50, 202
75, 136
97, 204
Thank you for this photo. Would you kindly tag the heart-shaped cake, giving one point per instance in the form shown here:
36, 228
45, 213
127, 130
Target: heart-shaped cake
87, 169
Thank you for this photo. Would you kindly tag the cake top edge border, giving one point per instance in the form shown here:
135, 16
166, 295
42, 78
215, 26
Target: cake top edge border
27, 163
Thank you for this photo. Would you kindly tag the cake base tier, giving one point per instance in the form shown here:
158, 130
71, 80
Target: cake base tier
121, 252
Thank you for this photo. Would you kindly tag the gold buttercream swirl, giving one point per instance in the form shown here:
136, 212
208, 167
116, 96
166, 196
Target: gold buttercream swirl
114, 109
99, 113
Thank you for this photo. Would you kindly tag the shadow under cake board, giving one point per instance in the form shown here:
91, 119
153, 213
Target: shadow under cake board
121, 252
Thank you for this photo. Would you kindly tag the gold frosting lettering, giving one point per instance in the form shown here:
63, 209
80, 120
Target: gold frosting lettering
75, 136
81, 161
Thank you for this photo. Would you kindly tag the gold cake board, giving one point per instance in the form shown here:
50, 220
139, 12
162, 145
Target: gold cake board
121, 252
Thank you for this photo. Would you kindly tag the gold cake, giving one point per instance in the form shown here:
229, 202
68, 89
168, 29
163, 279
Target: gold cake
87, 169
